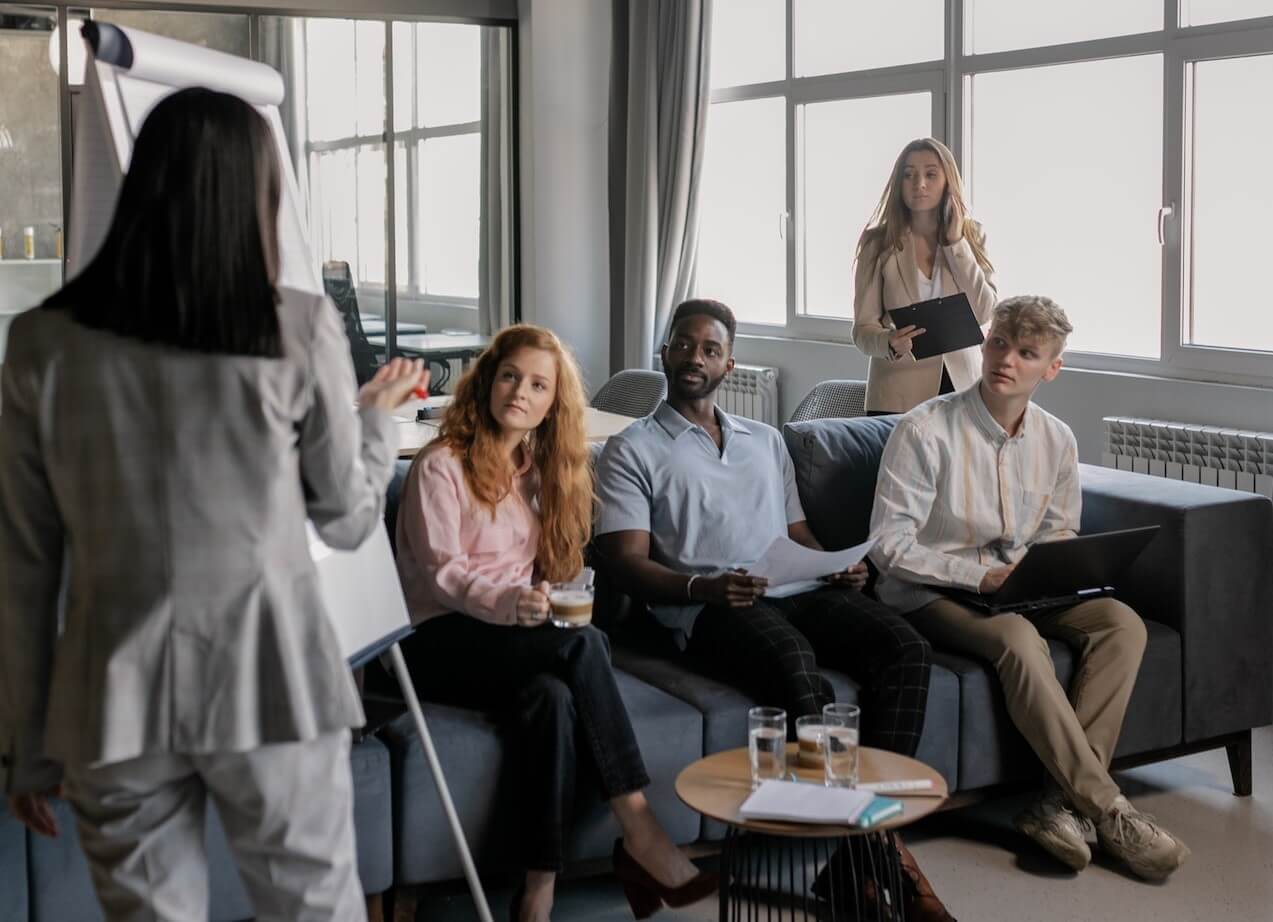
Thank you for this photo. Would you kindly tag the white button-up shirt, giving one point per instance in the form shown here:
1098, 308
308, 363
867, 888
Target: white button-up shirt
956, 495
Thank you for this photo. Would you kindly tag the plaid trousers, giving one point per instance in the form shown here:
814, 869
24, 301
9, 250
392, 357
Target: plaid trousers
773, 649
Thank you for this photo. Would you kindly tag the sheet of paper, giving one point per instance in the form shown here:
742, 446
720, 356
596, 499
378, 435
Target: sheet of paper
785, 562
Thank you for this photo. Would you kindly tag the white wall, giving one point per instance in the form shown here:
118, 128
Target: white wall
1079, 397
565, 78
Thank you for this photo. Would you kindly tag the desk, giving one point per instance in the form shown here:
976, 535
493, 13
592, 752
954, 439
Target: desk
374, 325
439, 349
762, 859
413, 436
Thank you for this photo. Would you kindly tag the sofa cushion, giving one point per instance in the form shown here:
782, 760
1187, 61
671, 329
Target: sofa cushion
992, 751
837, 462
13, 868
478, 769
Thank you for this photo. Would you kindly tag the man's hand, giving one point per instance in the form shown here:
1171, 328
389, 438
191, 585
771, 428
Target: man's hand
532, 605
731, 588
995, 578
33, 811
854, 577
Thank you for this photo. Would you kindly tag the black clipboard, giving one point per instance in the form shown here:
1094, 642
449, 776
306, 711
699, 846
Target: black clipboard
949, 325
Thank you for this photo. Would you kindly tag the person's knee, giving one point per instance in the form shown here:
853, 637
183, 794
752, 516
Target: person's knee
547, 699
589, 643
1126, 628
1019, 644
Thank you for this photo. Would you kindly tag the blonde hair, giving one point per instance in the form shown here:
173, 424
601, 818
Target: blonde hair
892, 219
1032, 318
558, 447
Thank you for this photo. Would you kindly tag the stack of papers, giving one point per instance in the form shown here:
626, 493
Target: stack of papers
801, 802
792, 568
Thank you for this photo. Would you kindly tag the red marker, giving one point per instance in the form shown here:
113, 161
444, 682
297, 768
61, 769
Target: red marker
421, 392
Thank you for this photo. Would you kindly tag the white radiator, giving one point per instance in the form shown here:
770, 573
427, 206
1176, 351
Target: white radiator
751, 391
1232, 458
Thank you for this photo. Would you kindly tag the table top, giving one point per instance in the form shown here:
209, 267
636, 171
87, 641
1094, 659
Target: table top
413, 436
437, 343
717, 785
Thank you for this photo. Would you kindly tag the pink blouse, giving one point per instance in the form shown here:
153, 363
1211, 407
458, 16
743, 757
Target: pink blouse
452, 554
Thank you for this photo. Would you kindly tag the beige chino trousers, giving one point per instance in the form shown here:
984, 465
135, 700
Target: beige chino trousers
1074, 736
287, 810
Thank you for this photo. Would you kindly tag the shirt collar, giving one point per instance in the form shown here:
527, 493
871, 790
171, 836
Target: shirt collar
675, 424
987, 423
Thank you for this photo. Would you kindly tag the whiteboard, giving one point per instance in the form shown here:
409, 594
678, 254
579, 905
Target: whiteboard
360, 588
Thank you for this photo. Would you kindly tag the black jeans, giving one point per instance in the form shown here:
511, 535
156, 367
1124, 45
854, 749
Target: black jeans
772, 650
553, 688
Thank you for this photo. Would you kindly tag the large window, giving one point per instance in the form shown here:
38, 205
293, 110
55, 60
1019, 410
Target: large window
1113, 151
401, 135
802, 132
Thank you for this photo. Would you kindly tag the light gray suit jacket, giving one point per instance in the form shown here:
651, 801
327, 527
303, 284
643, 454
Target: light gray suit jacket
171, 489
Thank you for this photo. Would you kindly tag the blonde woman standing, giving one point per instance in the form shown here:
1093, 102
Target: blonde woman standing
920, 244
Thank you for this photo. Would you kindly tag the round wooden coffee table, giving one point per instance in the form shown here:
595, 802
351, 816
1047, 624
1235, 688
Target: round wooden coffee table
856, 873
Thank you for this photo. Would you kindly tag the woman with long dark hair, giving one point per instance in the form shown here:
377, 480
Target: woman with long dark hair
498, 507
170, 420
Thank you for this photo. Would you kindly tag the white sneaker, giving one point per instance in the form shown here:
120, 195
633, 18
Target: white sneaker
1136, 839
1058, 829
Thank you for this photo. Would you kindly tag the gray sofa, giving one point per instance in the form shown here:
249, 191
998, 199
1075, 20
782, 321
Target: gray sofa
1205, 681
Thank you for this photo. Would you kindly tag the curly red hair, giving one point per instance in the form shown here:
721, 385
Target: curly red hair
558, 446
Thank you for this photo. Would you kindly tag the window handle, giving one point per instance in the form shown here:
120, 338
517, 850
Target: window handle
782, 225
1165, 212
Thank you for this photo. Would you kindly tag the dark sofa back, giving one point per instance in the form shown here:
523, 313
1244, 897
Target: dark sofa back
837, 461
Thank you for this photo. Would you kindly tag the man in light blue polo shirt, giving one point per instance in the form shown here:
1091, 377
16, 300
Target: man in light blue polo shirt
689, 497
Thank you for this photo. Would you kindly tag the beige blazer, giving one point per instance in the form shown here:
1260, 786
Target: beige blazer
172, 488
897, 385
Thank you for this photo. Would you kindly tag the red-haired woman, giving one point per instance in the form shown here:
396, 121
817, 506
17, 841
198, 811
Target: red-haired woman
498, 506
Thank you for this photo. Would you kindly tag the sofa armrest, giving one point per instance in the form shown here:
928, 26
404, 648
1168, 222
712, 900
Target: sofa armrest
1208, 574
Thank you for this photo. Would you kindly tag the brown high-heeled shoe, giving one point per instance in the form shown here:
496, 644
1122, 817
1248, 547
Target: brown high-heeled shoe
646, 895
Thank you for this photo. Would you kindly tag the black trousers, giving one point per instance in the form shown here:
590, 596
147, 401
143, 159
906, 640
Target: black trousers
555, 691
772, 650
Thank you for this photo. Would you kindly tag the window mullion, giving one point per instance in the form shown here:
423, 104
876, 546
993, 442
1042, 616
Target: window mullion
791, 222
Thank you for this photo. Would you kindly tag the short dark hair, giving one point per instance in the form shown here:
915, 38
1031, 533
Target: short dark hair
706, 307
191, 258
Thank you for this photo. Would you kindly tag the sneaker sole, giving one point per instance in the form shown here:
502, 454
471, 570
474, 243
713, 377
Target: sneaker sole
1076, 859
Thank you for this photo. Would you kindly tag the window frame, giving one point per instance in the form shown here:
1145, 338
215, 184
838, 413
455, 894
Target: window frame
949, 81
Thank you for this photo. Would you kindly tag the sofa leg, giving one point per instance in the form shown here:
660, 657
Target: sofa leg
1240, 763
376, 907
405, 901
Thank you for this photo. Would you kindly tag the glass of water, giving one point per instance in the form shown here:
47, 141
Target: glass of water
840, 744
767, 743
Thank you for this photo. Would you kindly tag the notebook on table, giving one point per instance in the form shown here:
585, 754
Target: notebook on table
801, 802
1057, 574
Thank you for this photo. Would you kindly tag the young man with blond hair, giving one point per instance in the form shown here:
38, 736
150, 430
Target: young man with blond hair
968, 482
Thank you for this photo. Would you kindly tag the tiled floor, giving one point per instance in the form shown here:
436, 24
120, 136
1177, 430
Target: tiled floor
985, 871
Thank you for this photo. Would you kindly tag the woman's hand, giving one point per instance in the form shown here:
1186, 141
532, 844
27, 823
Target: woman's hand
953, 232
393, 383
995, 578
899, 341
33, 811
532, 605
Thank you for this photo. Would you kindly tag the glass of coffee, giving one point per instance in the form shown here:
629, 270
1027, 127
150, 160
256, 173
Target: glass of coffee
570, 604
809, 731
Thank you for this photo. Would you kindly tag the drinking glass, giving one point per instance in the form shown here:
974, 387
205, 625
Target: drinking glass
767, 743
809, 730
840, 744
